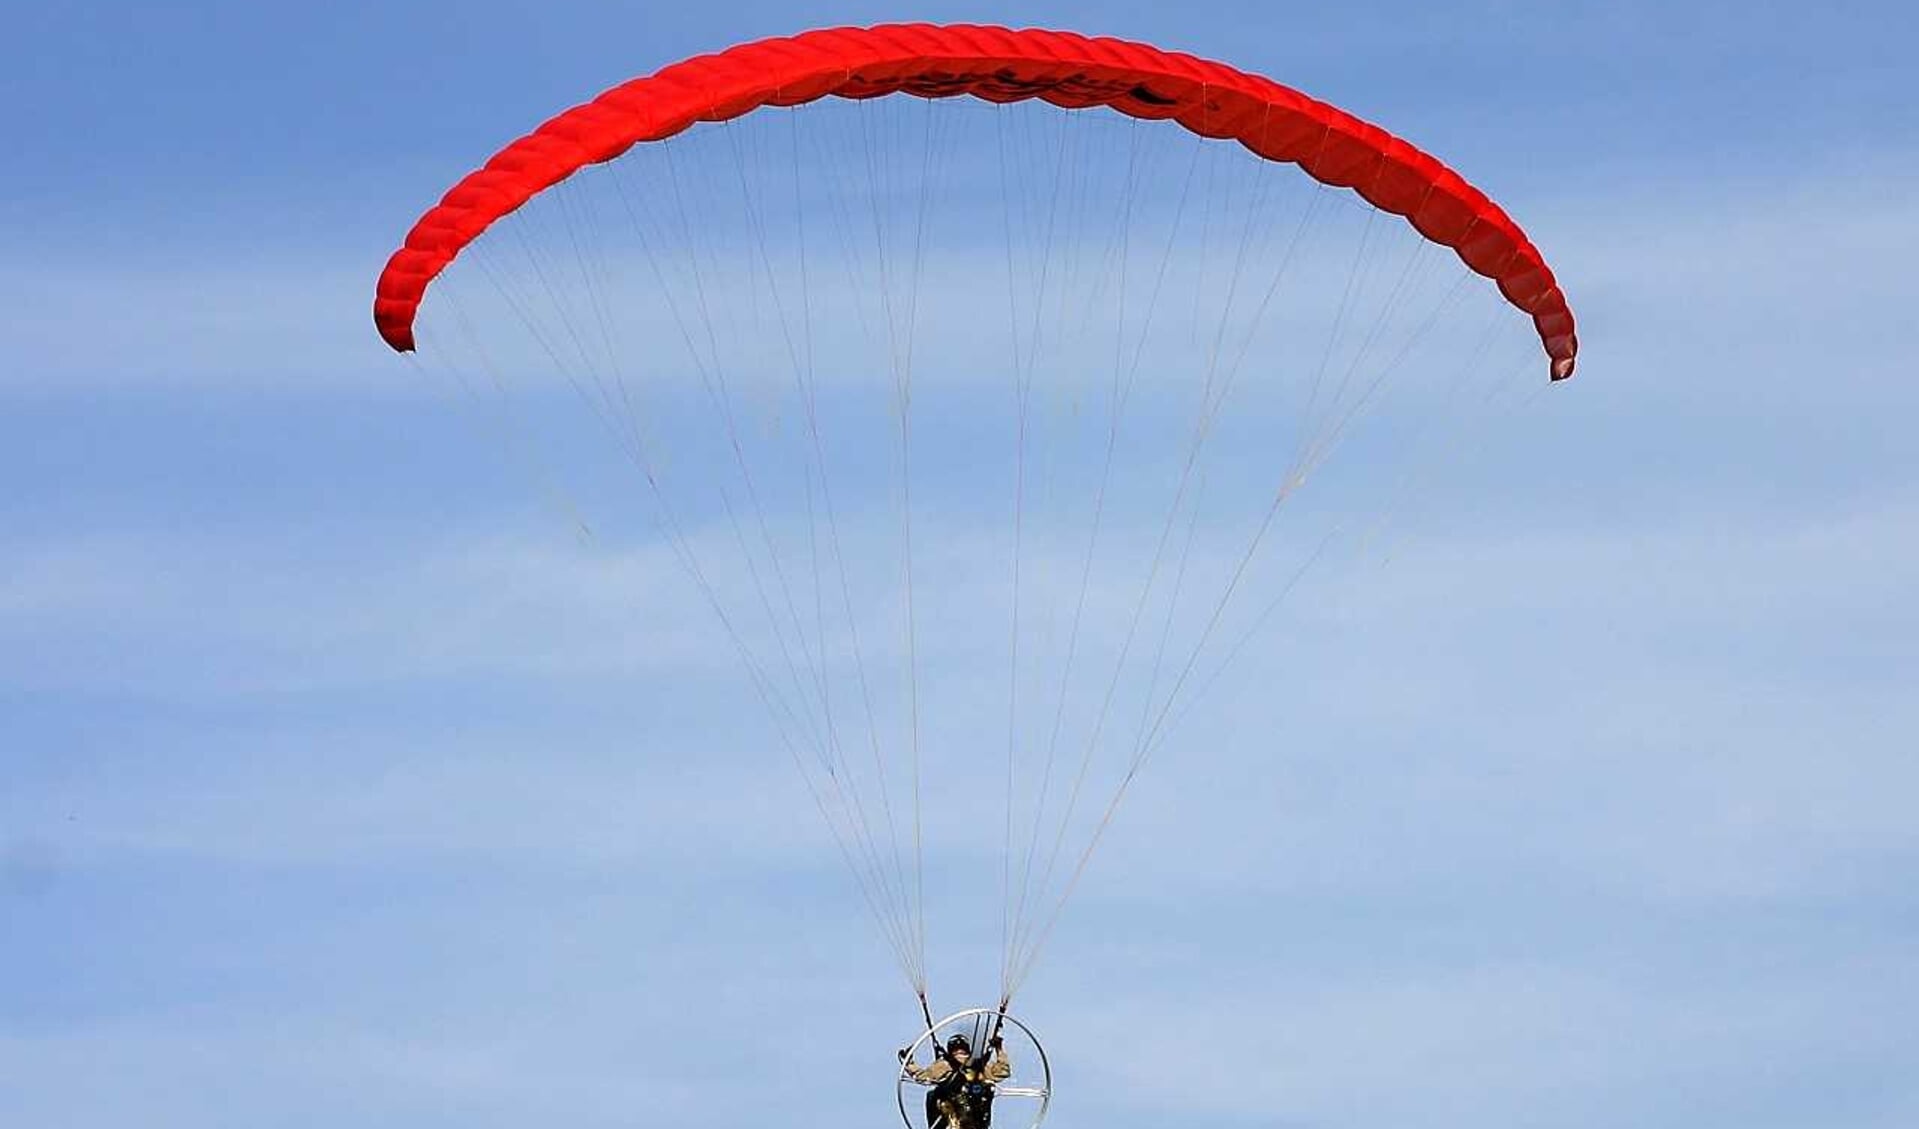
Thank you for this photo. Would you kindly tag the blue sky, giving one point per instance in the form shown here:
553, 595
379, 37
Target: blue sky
339, 784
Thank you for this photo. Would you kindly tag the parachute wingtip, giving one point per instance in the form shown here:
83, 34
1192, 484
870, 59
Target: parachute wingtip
397, 334
1562, 368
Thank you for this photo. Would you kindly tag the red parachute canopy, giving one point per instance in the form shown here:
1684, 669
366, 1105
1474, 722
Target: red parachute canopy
998, 65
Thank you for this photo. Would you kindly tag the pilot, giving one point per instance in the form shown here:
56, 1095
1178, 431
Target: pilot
961, 1088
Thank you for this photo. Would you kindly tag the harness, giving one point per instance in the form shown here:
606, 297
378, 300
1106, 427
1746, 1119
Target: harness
962, 1100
